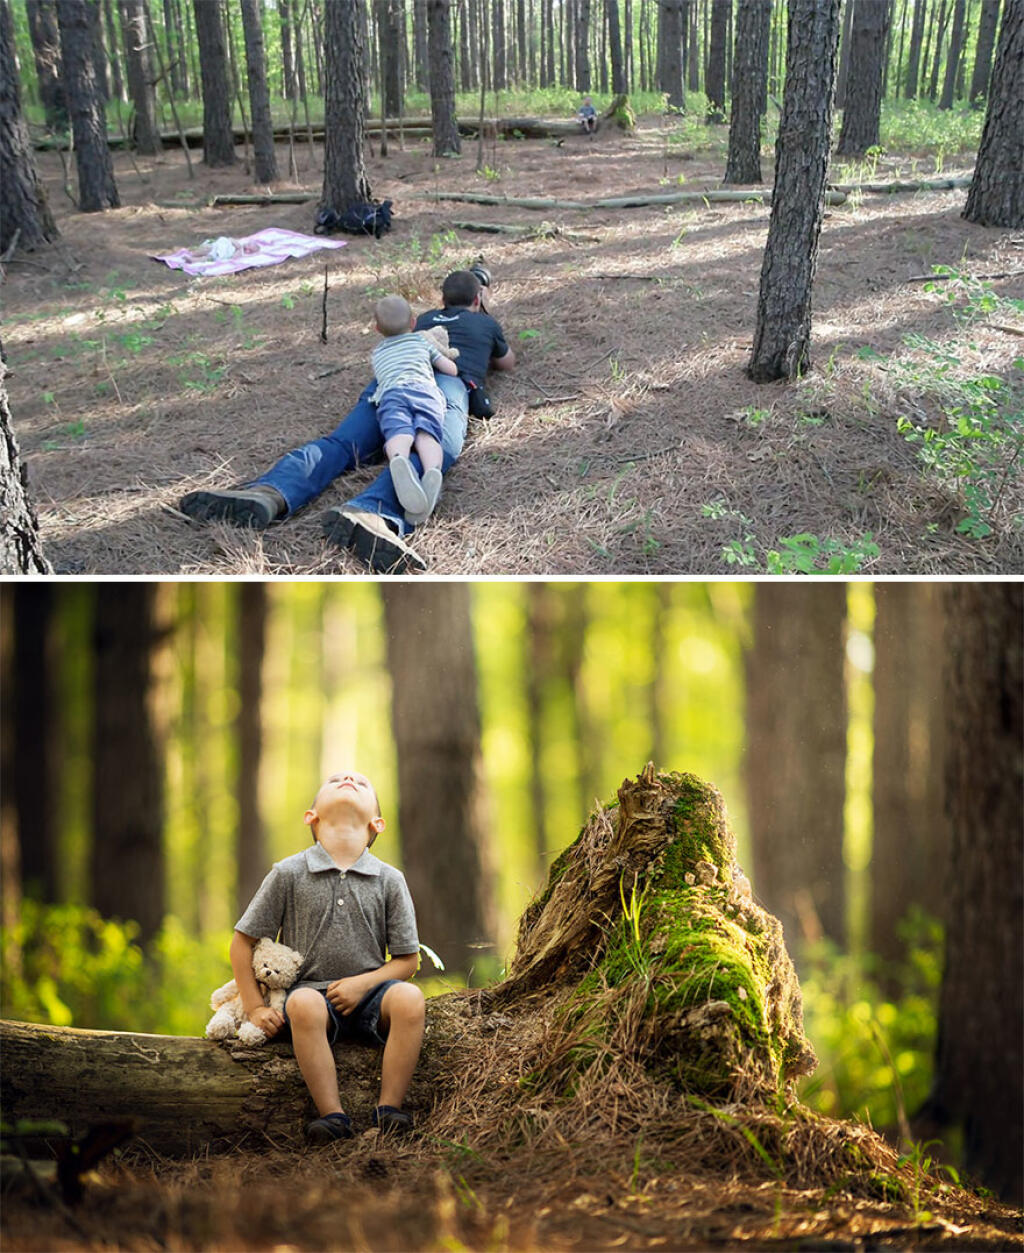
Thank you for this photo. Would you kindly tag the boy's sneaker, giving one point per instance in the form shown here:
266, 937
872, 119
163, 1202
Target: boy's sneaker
389, 1120
408, 487
330, 1128
245, 506
371, 539
431, 483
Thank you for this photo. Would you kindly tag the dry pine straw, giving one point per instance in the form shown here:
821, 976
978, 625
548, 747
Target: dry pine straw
612, 480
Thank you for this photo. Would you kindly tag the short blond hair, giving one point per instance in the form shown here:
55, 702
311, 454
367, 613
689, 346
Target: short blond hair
393, 314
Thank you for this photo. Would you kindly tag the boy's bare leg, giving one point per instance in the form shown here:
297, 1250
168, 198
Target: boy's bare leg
307, 1013
430, 451
402, 1011
398, 446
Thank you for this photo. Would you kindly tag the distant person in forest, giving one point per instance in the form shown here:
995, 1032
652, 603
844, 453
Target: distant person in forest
410, 405
373, 523
353, 918
587, 115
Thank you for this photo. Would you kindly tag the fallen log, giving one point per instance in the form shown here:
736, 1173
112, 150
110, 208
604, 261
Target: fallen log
641, 200
277, 197
644, 956
927, 184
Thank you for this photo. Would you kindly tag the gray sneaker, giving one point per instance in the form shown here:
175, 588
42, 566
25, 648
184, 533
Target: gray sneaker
245, 506
371, 539
408, 488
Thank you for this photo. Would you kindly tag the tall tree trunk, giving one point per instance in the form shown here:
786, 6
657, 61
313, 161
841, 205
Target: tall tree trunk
442, 79
126, 871
97, 51
284, 8
996, 195
914, 52
421, 53
979, 1066
670, 47
796, 756
389, 28
954, 59
345, 182
113, 60
581, 40
436, 724
25, 216
749, 91
783, 333
988, 23
843, 70
20, 549
861, 116
265, 158
251, 856
141, 79
42, 25
96, 187
538, 665
615, 47
910, 852
933, 81
218, 135
715, 85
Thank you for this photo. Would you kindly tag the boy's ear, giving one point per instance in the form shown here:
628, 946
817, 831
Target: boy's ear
310, 816
377, 825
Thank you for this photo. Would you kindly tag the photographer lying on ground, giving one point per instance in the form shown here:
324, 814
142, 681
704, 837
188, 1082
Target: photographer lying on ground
373, 524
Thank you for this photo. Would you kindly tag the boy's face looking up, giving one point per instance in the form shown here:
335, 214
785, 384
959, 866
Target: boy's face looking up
349, 798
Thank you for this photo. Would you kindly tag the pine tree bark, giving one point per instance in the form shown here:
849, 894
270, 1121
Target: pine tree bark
284, 8
436, 723
20, 548
141, 79
749, 91
45, 36
715, 84
34, 783
979, 1065
914, 51
264, 155
863, 109
996, 196
988, 23
96, 187
782, 336
345, 182
126, 869
442, 79
796, 757
954, 57
615, 47
218, 135
251, 858
671, 15
581, 41
390, 26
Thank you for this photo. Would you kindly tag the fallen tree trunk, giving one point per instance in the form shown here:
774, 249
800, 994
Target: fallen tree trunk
645, 957
640, 200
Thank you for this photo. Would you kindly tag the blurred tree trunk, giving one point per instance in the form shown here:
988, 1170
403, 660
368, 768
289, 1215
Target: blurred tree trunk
436, 721
141, 79
97, 50
910, 852
10, 860
421, 57
265, 158
749, 91
391, 27
42, 26
671, 16
500, 62
954, 57
715, 86
914, 52
863, 105
20, 548
25, 217
586, 736
658, 689
979, 1064
843, 69
782, 336
218, 135
250, 843
538, 666
284, 8
796, 757
996, 195
988, 23
581, 43
96, 187
127, 857
615, 47
174, 34
345, 182
442, 78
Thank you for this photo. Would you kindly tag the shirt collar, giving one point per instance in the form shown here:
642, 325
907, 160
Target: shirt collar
317, 858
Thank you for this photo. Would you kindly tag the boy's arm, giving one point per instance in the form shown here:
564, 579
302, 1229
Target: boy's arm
443, 365
345, 994
270, 1021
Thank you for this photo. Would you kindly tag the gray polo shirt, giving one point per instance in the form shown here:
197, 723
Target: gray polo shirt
345, 922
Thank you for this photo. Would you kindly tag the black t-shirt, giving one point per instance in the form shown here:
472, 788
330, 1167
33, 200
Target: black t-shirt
477, 336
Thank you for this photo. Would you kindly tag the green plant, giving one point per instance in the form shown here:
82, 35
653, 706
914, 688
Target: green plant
808, 554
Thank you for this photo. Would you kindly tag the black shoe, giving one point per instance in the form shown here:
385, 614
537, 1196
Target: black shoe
329, 1129
389, 1120
371, 539
246, 506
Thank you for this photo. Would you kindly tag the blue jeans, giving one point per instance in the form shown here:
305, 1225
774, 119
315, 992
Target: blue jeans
302, 474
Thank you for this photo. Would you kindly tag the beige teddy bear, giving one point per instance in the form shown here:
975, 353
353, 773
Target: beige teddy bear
276, 967
438, 336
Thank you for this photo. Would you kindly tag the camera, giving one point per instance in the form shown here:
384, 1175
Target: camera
482, 273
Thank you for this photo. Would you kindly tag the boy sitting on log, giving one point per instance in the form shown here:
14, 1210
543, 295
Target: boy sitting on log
352, 916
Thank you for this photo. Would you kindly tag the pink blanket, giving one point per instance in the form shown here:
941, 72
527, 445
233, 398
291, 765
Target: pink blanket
267, 247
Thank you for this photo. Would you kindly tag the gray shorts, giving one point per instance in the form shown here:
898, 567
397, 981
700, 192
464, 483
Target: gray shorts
362, 1025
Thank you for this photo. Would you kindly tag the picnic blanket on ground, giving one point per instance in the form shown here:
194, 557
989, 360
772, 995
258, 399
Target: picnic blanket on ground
226, 255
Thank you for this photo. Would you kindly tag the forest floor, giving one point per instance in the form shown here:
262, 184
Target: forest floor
435, 1195
628, 441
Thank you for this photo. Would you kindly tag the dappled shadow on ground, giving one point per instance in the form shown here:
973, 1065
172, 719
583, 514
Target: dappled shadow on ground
628, 441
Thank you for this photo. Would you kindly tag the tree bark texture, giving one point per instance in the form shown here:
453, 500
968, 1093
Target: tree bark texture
796, 757
863, 105
96, 187
954, 56
715, 82
391, 37
436, 723
25, 217
615, 47
979, 1079
252, 627
914, 50
442, 78
42, 25
141, 79
988, 23
345, 182
749, 91
126, 869
670, 51
782, 334
20, 548
996, 197
218, 137
264, 156
581, 43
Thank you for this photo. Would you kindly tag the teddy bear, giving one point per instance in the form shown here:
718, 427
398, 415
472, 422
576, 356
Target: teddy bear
276, 967
438, 336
